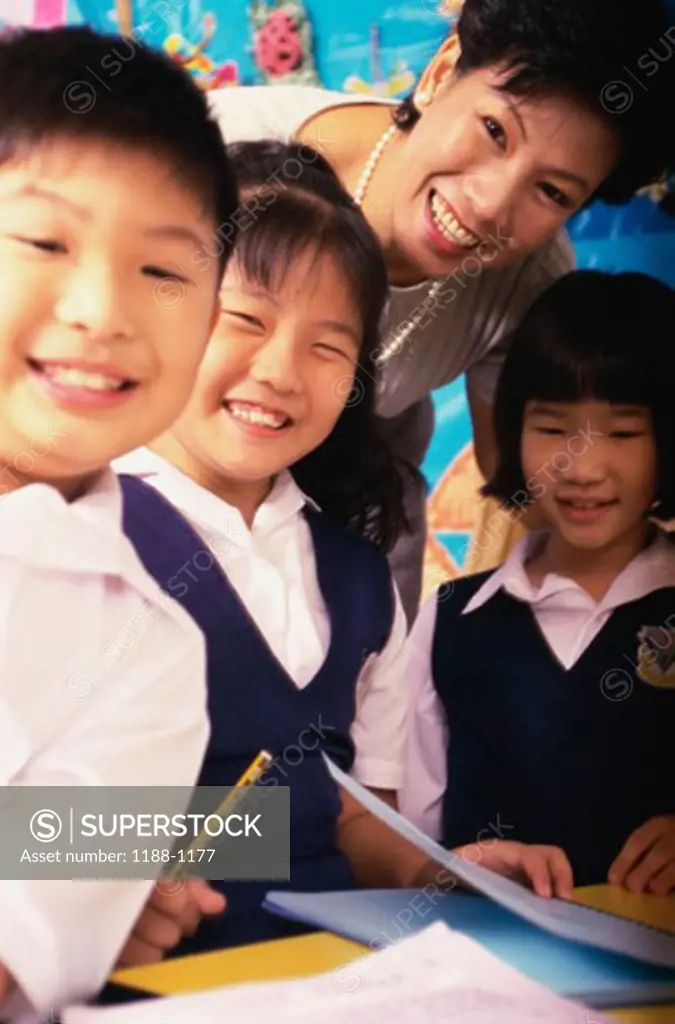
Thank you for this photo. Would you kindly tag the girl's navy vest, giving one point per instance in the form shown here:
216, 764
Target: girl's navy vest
254, 704
574, 758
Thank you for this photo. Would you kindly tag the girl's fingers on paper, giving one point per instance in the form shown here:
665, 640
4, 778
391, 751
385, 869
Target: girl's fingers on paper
663, 884
548, 871
535, 865
504, 856
635, 848
561, 873
660, 855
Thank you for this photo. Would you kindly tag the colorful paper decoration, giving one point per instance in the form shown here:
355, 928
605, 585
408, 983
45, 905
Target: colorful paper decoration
194, 59
398, 82
282, 42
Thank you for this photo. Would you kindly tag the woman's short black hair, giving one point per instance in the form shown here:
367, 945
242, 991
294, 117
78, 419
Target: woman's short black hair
611, 56
590, 336
293, 204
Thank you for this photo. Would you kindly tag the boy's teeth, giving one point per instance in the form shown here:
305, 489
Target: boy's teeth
450, 226
83, 378
252, 414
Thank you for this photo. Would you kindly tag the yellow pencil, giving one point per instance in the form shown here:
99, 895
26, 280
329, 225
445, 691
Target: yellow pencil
253, 774
255, 770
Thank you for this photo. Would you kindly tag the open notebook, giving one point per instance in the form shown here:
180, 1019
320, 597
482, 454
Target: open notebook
435, 977
576, 950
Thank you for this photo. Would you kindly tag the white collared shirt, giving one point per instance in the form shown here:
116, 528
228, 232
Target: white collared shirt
102, 682
569, 619
272, 567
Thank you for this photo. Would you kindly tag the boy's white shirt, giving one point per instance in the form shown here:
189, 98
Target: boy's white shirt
272, 567
102, 682
569, 619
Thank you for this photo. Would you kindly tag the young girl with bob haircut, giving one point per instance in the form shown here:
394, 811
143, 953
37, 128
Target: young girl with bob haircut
544, 692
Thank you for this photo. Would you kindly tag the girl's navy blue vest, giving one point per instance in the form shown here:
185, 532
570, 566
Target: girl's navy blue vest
574, 758
254, 704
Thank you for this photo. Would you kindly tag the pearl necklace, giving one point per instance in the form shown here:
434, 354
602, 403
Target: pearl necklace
400, 336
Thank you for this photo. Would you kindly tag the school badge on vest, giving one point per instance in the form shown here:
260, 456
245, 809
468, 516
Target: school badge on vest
655, 661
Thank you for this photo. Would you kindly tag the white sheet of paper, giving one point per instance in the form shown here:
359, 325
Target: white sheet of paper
436, 976
560, 917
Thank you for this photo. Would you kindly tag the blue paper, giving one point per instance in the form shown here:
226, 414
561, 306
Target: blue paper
377, 918
559, 917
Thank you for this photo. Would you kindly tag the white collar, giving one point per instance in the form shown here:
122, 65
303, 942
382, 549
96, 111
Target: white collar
201, 506
652, 568
39, 527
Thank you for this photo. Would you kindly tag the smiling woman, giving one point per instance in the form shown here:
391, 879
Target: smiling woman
468, 184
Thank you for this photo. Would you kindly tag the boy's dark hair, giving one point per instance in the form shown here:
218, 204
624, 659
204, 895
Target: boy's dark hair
74, 83
292, 205
585, 49
590, 336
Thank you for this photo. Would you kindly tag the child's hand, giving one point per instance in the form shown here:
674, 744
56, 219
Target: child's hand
647, 860
168, 916
545, 868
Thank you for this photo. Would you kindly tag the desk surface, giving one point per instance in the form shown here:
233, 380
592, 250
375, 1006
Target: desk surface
321, 951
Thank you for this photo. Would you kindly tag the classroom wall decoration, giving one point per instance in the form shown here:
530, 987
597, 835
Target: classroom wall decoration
282, 43
195, 58
371, 47
40, 13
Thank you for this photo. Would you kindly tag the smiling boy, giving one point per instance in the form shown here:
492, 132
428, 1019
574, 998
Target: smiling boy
102, 329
